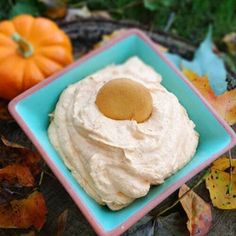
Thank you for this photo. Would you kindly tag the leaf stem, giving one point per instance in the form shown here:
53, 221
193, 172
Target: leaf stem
178, 200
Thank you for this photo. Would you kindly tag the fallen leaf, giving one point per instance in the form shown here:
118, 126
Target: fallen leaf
84, 12
24, 213
8, 143
205, 62
61, 223
169, 225
55, 8
4, 114
101, 14
9, 192
13, 153
145, 226
172, 224
197, 210
17, 173
230, 41
224, 104
56, 12
78, 13
32, 160
222, 190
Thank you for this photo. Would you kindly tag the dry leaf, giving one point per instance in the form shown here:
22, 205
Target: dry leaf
101, 14
197, 210
56, 12
8, 143
32, 160
84, 12
17, 174
13, 153
224, 104
61, 223
222, 190
55, 8
24, 213
230, 41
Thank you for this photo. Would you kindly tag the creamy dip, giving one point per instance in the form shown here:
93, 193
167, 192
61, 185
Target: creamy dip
116, 161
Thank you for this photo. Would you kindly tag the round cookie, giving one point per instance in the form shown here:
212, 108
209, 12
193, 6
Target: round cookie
124, 99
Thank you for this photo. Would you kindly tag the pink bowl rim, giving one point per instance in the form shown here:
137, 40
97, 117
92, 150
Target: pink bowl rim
142, 212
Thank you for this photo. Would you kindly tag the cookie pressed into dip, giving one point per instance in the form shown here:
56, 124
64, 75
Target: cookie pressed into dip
116, 161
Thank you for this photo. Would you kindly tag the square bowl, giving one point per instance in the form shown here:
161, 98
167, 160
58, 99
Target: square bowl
31, 110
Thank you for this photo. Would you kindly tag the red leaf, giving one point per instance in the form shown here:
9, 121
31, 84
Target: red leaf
24, 213
197, 210
17, 173
32, 160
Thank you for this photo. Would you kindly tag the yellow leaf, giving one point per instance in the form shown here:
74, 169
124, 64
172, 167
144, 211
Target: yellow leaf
222, 190
224, 104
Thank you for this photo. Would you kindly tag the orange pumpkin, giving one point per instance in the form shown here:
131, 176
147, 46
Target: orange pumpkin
31, 49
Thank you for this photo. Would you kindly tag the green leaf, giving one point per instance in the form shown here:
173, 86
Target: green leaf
151, 5
155, 4
31, 7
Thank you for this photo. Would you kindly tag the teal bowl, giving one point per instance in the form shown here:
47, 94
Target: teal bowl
31, 110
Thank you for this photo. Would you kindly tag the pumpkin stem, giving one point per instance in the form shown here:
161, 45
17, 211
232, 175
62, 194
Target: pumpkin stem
25, 48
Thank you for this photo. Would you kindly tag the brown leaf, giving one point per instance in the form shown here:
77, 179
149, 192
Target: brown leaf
8, 143
61, 223
230, 41
24, 213
101, 14
17, 173
16, 154
9, 192
55, 8
197, 210
32, 160
56, 12
222, 189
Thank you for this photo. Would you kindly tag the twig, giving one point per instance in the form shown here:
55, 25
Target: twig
41, 178
178, 200
230, 173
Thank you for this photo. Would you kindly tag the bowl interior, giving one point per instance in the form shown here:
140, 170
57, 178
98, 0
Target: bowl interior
35, 108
